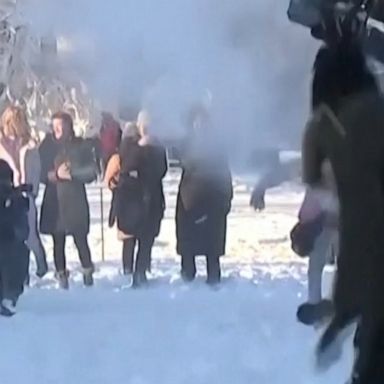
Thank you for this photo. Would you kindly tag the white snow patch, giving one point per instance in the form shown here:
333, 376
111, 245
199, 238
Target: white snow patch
171, 333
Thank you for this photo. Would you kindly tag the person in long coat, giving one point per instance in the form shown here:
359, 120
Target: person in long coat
135, 176
20, 151
347, 129
204, 200
67, 165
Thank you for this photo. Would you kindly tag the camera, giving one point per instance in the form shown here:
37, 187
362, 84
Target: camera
331, 20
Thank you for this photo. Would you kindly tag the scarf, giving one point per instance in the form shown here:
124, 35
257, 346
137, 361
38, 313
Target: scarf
13, 147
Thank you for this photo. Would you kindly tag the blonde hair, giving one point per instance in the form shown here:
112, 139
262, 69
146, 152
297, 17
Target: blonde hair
143, 122
130, 130
14, 120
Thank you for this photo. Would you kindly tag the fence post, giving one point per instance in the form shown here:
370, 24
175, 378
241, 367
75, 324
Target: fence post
102, 224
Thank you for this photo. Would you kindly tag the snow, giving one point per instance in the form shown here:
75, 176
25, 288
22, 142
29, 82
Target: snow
171, 333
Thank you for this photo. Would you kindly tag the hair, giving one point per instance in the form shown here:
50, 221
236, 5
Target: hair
130, 130
14, 119
340, 71
67, 120
143, 122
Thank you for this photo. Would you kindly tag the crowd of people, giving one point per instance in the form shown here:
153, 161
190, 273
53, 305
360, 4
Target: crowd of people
342, 215
134, 163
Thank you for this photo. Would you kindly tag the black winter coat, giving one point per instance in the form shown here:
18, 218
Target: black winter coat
65, 206
138, 200
353, 141
203, 203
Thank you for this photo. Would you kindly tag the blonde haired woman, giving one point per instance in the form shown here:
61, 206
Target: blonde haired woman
20, 151
135, 175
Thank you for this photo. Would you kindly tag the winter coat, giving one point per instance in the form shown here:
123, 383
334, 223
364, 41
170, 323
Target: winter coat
65, 206
135, 177
28, 172
203, 202
353, 141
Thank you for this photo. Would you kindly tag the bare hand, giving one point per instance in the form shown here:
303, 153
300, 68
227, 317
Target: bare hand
63, 172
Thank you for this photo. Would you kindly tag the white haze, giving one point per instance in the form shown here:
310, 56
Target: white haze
166, 55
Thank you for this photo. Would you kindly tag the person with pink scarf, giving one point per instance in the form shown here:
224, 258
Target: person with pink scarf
20, 151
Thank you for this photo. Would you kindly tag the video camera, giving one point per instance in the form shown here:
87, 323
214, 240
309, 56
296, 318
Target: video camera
330, 20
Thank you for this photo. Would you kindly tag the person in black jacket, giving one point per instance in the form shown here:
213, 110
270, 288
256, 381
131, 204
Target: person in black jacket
135, 175
204, 200
67, 165
14, 231
347, 129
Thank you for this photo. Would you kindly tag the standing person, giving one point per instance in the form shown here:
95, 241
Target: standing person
14, 230
323, 220
20, 151
135, 175
110, 137
347, 129
67, 165
129, 145
204, 200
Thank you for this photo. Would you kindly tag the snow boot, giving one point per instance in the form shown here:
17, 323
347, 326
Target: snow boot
188, 268
310, 314
188, 277
7, 309
62, 278
213, 271
214, 280
139, 280
88, 276
42, 270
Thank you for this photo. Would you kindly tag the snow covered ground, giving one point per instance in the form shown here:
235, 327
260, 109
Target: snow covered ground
171, 333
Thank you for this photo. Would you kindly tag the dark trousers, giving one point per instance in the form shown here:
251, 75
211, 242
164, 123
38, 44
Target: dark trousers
188, 268
143, 256
14, 263
81, 243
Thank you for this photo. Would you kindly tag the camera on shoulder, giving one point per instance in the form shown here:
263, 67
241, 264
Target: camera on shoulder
329, 20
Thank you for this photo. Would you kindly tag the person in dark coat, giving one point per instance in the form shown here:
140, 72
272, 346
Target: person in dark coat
14, 232
204, 200
67, 165
347, 129
135, 176
20, 151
